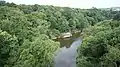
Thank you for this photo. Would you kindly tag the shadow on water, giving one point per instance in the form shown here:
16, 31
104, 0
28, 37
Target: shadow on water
66, 57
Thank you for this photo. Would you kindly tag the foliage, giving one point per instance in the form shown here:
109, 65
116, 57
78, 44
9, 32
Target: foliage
7, 43
26, 33
38, 53
117, 16
101, 46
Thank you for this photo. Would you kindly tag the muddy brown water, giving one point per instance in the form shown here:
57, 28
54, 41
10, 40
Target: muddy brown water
66, 56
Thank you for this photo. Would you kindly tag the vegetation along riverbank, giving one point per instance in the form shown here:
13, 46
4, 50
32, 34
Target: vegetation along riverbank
27, 32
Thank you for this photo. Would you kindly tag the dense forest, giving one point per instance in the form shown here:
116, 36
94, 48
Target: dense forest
26, 33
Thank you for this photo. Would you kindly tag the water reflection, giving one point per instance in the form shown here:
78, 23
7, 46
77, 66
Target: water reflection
66, 57
67, 42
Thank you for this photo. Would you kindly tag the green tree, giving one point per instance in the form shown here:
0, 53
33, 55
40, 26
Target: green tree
117, 16
98, 47
38, 53
7, 43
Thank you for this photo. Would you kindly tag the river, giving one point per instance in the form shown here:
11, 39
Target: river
66, 56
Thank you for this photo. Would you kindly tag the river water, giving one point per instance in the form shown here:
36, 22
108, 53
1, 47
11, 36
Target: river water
66, 56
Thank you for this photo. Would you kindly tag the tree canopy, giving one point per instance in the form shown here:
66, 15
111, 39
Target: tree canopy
26, 33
